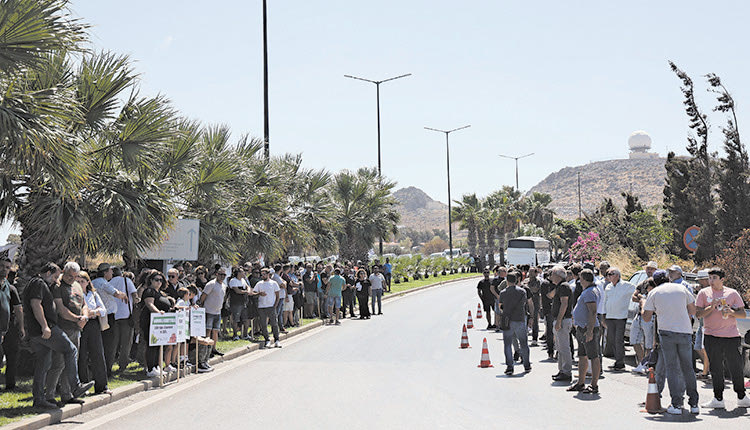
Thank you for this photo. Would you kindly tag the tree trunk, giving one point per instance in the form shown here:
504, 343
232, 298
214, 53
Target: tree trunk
36, 250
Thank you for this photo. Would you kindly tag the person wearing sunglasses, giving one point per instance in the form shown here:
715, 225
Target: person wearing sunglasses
213, 300
154, 301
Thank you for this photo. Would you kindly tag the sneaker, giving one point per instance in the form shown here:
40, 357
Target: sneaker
743, 402
153, 372
277, 344
534, 343
640, 369
508, 371
338, 323
695, 410
268, 344
73, 400
82, 388
236, 338
204, 368
527, 369
715, 404
674, 410
170, 369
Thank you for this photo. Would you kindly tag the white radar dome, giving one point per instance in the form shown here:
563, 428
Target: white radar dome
639, 140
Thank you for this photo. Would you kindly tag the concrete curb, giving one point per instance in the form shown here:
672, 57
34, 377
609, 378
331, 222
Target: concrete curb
53, 417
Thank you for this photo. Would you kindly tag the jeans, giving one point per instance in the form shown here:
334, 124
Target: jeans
549, 326
518, 332
348, 303
535, 323
729, 349
377, 296
11, 345
266, 315
322, 303
677, 354
616, 339
564, 355
123, 342
43, 348
280, 313
59, 363
387, 277
92, 351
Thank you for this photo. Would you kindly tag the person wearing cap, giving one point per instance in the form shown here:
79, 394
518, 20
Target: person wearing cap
674, 305
702, 278
617, 297
720, 307
675, 276
110, 297
650, 268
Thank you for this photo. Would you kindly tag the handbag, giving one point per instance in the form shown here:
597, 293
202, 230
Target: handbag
103, 323
504, 323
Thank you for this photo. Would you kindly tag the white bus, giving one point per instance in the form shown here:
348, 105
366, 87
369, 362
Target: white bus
534, 251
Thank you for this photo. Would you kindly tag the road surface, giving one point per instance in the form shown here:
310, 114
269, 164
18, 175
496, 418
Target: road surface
399, 370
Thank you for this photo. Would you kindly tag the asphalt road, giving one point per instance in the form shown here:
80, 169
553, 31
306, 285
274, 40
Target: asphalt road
402, 369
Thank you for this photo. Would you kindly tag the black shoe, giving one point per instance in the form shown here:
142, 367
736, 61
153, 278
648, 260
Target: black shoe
81, 389
563, 378
75, 400
527, 369
556, 375
45, 404
216, 352
508, 371
380, 313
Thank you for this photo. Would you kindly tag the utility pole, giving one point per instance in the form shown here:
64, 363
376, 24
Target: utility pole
448, 170
266, 139
516, 159
579, 195
377, 98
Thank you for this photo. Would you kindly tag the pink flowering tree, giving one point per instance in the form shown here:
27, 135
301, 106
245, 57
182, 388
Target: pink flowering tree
588, 247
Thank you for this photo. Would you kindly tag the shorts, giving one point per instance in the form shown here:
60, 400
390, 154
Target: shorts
239, 312
213, 321
642, 333
588, 349
698, 344
288, 304
334, 301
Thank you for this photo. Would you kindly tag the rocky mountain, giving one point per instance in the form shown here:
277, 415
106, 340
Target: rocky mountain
419, 211
643, 177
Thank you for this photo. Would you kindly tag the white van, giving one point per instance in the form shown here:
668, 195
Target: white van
534, 251
456, 252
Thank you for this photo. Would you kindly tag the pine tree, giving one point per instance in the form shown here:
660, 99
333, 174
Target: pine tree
734, 189
700, 177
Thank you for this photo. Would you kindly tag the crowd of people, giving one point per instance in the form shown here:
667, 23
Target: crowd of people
82, 331
586, 310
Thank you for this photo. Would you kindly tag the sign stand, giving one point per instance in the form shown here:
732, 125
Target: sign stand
196, 354
161, 366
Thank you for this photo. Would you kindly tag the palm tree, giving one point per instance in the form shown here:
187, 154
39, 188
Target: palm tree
365, 210
466, 213
536, 209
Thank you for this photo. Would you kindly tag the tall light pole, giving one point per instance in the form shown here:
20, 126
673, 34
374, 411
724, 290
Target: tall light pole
448, 165
377, 92
266, 145
516, 158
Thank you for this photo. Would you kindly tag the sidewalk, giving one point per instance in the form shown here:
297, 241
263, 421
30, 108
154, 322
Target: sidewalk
93, 402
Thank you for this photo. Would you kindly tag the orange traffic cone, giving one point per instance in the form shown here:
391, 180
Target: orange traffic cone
464, 339
479, 310
653, 402
469, 322
485, 361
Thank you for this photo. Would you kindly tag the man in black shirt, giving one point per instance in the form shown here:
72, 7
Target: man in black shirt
484, 290
534, 285
549, 336
561, 312
514, 302
46, 336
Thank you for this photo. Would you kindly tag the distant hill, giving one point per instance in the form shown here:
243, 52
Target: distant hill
419, 211
643, 177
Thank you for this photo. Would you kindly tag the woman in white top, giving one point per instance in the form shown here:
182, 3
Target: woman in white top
91, 350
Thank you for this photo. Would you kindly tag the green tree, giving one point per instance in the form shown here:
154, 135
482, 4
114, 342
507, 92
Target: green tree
466, 213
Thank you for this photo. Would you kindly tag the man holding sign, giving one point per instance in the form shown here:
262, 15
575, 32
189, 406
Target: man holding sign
268, 290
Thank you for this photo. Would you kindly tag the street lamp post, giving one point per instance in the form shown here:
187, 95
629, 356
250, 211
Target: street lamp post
448, 166
377, 92
266, 144
517, 158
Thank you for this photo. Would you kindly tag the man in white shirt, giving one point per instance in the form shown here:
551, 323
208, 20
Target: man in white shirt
213, 300
124, 322
674, 305
617, 297
377, 280
268, 290
110, 296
